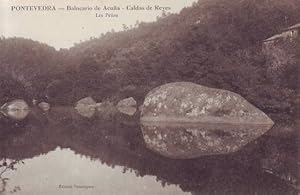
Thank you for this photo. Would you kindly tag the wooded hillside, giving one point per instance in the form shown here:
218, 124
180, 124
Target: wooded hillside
215, 43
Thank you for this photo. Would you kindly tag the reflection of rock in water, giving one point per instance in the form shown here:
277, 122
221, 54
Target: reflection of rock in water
86, 111
86, 107
194, 140
6, 167
127, 110
17, 109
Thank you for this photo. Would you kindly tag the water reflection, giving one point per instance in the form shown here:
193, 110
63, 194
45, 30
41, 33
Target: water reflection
61, 171
5, 167
190, 140
18, 114
112, 154
17, 109
86, 111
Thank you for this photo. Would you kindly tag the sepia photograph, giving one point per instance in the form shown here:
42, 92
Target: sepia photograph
149, 97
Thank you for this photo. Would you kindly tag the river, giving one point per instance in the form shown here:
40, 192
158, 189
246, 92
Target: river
62, 152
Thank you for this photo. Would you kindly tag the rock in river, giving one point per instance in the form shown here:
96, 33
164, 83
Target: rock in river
127, 106
87, 101
16, 109
189, 102
44, 106
86, 107
127, 102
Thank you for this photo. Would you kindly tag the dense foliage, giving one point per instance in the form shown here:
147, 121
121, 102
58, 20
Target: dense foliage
215, 43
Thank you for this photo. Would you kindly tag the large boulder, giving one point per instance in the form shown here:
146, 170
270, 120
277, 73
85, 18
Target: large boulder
189, 102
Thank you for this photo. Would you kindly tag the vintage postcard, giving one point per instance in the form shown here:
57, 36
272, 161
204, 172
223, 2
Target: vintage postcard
149, 97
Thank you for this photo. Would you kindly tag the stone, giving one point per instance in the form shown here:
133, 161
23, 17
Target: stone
127, 102
86, 107
189, 102
127, 110
193, 140
44, 106
17, 109
127, 106
87, 101
86, 112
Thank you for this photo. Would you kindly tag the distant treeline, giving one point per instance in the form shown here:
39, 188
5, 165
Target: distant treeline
215, 43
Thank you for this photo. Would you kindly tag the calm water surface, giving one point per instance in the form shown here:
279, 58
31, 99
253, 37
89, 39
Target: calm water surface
62, 152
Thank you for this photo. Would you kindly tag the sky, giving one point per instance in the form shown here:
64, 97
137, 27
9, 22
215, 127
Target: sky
62, 28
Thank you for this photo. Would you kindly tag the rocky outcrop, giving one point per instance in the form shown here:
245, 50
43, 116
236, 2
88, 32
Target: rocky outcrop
189, 102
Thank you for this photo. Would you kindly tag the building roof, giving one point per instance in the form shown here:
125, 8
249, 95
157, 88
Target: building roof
296, 26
